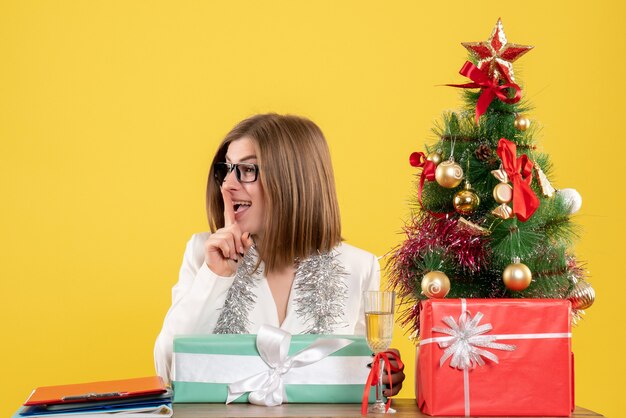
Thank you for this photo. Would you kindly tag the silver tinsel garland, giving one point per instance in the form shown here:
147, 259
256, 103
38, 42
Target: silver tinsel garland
320, 294
239, 299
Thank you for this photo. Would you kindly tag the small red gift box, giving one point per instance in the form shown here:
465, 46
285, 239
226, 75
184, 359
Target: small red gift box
495, 357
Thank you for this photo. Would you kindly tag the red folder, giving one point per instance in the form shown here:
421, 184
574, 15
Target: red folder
96, 391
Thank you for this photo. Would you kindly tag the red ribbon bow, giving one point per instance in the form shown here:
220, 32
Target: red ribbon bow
520, 172
418, 159
372, 378
490, 88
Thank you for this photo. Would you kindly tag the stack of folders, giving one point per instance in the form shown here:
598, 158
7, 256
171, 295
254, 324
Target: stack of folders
129, 398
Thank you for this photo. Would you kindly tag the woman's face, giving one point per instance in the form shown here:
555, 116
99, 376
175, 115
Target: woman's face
247, 198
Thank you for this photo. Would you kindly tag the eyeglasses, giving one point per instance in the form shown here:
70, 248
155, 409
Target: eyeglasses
246, 172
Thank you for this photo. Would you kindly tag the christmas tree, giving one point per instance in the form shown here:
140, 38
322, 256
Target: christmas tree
487, 222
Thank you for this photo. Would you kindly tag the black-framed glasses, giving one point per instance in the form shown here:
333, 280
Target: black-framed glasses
245, 172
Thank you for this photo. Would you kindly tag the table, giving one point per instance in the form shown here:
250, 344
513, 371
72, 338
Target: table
405, 408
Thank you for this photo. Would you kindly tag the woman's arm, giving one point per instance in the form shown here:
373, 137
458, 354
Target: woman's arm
196, 299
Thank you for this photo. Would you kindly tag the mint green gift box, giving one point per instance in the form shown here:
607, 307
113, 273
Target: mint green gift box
204, 366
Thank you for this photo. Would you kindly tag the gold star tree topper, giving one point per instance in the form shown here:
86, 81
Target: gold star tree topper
495, 55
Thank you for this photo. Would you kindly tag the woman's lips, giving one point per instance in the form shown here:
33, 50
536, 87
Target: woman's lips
240, 209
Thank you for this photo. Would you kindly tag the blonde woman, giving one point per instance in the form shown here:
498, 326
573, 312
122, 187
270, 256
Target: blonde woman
275, 254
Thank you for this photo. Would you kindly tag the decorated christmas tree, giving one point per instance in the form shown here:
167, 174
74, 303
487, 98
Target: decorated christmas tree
487, 222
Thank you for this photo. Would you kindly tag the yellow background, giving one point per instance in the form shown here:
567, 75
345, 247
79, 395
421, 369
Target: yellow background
110, 112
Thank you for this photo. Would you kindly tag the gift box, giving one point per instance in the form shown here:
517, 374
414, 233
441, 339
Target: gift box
270, 368
495, 357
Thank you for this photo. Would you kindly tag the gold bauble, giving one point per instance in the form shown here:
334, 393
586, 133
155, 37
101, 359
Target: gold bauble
503, 193
435, 284
521, 123
582, 295
435, 157
517, 276
466, 201
449, 174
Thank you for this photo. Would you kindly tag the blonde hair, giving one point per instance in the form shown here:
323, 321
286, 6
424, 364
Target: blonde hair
295, 170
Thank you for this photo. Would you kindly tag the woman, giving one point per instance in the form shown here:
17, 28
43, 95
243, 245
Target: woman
275, 254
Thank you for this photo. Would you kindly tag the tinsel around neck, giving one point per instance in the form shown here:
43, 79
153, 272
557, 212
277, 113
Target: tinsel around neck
319, 287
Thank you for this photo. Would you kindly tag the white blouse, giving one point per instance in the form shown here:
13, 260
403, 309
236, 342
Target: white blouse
199, 295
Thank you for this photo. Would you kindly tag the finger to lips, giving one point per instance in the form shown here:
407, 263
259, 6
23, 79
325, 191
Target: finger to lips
230, 221
229, 212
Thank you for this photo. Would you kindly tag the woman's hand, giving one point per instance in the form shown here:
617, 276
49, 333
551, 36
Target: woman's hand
226, 246
396, 377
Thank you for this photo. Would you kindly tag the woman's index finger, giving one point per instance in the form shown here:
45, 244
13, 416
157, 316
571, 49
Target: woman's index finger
229, 211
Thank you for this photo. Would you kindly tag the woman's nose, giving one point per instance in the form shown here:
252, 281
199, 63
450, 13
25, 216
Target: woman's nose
230, 181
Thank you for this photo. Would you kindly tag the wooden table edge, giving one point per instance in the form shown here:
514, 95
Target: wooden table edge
405, 408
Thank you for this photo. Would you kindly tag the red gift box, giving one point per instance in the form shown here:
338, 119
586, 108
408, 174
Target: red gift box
495, 357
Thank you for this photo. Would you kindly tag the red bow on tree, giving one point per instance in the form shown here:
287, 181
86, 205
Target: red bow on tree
418, 159
372, 378
520, 172
490, 88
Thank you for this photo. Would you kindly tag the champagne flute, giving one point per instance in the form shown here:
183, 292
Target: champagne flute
379, 309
